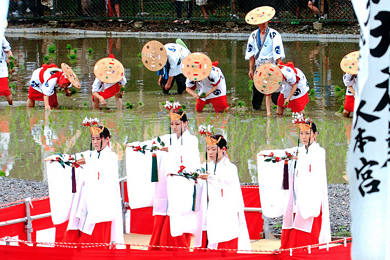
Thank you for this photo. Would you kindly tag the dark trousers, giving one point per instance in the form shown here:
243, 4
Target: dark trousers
257, 98
180, 82
179, 7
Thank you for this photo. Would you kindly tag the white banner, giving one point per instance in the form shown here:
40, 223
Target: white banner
369, 151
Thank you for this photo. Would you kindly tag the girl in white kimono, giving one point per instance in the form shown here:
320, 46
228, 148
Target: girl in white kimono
306, 216
174, 219
221, 222
96, 210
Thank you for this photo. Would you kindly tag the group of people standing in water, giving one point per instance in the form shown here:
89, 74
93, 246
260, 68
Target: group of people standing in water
209, 207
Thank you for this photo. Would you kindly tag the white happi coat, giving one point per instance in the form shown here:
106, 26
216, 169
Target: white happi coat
268, 51
290, 78
48, 87
99, 86
223, 216
350, 81
216, 78
97, 198
173, 195
176, 54
309, 183
5, 47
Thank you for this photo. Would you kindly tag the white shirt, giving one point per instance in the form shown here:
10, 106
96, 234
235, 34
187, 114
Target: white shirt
5, 47
48, 87
176, 53
291, 79
216, 77
99, 86
269, 51
350, 81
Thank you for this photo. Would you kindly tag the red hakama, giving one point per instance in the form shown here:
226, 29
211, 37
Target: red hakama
101, 234
161, 235
219, 104
349, 103
110, 92
294, 238
296, 105
38, 96
4, 89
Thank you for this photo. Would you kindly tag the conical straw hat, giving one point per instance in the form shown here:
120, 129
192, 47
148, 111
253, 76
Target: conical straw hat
350, 63
70, 75
154, 55
196, 66
268, 78
260, 15
109, 70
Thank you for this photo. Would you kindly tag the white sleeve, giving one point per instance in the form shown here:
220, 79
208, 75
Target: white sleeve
190, 83
214, 77
251, 47
289, 74
278, 49
5, 45
123, 81
311, 186
348, 79
97, 86
48, 87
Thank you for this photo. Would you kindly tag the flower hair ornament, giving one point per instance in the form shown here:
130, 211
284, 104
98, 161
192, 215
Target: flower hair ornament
174, 108
95, 128
210, 140
303, 123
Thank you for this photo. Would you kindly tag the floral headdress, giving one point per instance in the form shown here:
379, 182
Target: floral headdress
172, 108
303, 123
207, 132
93, 124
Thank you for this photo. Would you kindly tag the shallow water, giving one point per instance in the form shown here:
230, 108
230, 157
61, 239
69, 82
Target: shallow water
34, 135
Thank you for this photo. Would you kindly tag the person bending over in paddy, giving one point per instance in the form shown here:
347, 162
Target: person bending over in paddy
101, 91
295, 87
44, 84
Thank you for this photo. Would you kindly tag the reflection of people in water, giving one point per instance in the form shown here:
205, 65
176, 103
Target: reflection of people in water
320, 71
6, 161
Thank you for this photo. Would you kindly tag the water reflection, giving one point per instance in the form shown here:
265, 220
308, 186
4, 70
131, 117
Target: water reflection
33, 135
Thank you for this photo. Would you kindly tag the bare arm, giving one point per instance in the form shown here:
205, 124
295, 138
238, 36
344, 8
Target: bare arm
294, 88
100, 98
46, 101
214, 88
350, 88
169, 82
251, 67
192, 93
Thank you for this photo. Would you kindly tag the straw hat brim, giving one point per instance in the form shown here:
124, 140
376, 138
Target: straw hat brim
109, 70
260, 15
70, 75
267, 78
154, 56
196, 66
350, 63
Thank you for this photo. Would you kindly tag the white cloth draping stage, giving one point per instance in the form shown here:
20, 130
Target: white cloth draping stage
369, 150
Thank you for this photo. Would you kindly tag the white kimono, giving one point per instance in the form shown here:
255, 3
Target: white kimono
5, 47
97, 198
176, 54
216, 78
99, 86
173, 194
223, 216
350, 81
48, 87
309, 184
268, 51
290, 79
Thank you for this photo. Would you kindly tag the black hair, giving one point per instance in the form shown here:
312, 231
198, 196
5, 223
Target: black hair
105, 133
313, 127
222, 142
183, 115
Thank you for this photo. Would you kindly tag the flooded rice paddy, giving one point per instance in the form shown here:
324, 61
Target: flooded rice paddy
29, 135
